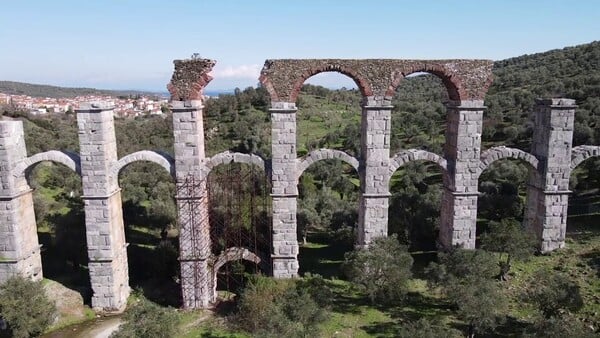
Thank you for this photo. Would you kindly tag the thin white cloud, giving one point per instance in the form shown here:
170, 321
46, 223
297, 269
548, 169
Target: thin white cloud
239, 72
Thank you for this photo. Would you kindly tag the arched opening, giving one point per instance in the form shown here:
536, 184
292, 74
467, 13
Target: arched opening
231, 272
584, 205
327, 216
419, 113
418, 121
414, 211
149, 215
60, 219
502, 192
240, 220
328, 114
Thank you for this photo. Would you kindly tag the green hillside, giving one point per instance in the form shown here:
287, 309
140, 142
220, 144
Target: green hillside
39, 90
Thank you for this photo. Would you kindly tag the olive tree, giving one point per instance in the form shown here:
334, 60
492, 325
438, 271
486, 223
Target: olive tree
25, 307
382, 270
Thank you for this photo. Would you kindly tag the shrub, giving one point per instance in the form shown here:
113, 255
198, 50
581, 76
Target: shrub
553, 293
317, 288
511, 240
467, 277
278, 308
25, 307
146, 319
382, 270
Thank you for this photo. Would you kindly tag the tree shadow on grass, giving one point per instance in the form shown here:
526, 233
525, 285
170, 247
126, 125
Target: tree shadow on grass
512, 327
139, 237
152, 269
414, 307
583, 229
592, 258
65, 262
323, 256
346, 299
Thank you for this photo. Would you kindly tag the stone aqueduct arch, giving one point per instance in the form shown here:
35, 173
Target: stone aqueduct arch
582, 153
69, 159
323, 154
551, 159
411, 155
497, 153
162, 159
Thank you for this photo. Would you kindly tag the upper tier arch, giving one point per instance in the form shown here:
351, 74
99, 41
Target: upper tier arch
582, 153
464, 79
162, 159
69, 159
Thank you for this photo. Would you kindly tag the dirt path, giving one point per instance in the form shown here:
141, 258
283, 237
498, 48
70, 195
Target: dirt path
98, 328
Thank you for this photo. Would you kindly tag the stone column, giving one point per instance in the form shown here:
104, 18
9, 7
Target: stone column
186, 86
375, 155
462, 151
196, 277
548, 189
105, 233
284, 190
19, 246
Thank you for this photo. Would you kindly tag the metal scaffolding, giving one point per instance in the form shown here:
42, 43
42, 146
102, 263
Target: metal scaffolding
194, 240
240, 214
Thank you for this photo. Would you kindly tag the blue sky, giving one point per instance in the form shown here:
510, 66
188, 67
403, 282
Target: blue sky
131, 44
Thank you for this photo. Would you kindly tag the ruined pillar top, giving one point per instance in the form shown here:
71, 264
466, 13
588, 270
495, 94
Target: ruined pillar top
189, 78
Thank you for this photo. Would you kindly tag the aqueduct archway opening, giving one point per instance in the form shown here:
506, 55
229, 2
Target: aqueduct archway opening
461, 163
60, 234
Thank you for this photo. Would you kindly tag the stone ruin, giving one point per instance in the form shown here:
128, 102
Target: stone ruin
551, 161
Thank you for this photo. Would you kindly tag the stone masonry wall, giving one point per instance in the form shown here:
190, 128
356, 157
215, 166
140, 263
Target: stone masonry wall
192, 204
186, 88
19, 247
548, 188
462, 152
284, 190
373, 172
105, 233
466, 81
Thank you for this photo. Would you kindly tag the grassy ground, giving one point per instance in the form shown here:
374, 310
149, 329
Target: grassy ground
352, 315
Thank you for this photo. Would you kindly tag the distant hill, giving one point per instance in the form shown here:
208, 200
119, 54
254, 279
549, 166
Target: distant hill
571, 72
37, 90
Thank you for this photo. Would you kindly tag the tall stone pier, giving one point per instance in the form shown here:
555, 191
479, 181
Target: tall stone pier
548, 190
284, 189
186, 86
375, 152
458, 218
105, 233
19, 247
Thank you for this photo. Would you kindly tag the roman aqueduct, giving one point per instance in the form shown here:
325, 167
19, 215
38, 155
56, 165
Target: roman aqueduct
552, 159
